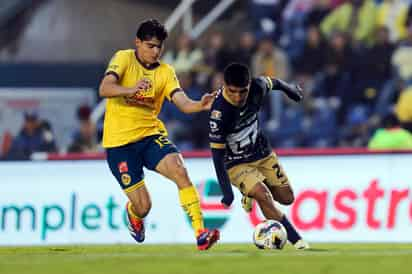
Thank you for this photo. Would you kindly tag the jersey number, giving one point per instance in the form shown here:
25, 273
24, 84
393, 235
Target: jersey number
162, 141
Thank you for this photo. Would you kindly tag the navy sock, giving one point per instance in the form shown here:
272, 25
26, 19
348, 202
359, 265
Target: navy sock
293, 235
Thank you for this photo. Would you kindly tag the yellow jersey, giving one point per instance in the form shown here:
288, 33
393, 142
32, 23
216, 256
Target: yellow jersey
129, 119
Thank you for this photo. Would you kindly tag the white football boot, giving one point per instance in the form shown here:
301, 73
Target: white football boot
301, 245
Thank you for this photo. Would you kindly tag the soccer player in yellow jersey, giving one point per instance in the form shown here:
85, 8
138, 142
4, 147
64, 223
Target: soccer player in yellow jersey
135, 85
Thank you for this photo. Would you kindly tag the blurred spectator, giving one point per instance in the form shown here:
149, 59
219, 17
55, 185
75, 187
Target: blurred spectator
216, 55
334, 81
312, 58
335, 3
339, 54
320, 124
180, 126
401, 60
286, 132
216, 81
355, 17
372, 68
185, 57
297, 8
355, 132
293, 32
403, 108
243, 53
409, 13
84, 139
266, 16
317, 13
270, 60
379, 56
392, 14
391, 135
35, 136
400, 74
5, 145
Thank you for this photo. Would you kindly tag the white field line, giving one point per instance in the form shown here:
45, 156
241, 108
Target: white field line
200, 255
88, 257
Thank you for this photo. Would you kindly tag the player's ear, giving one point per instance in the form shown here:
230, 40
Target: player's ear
137, 42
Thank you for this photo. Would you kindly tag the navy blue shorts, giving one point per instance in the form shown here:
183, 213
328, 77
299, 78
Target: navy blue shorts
127, 162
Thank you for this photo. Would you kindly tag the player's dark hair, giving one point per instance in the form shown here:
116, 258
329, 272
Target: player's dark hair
237, 75
151, 28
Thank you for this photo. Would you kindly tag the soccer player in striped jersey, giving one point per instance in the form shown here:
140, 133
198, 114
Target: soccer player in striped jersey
241, 153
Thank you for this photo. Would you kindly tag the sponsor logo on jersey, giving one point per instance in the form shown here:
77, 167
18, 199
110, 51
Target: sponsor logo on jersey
126, 179
216, 115
213, 126
215, 136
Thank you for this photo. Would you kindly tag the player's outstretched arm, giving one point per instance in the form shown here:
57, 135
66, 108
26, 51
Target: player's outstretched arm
294, 92
187, 105
223, 179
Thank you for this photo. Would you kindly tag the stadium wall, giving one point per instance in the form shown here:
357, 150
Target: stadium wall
340, 197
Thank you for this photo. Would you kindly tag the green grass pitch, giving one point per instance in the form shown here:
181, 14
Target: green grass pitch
221, 259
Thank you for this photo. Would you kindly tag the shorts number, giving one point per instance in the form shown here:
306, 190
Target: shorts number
162, 141
278, 171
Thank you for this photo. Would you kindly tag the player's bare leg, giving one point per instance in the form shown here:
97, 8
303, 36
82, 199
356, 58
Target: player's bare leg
263, 196
172, 167
283, 194
141, 202
137, 208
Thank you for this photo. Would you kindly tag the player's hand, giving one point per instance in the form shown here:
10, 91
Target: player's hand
207, 100
294, 92
142, 85
227, 200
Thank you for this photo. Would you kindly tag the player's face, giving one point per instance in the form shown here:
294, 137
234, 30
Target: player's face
149, 51
238, 95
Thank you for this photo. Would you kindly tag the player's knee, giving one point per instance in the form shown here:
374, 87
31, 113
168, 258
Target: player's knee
263, 195
287, 199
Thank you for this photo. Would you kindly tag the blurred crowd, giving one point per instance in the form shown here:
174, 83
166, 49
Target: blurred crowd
37, 135
353, 58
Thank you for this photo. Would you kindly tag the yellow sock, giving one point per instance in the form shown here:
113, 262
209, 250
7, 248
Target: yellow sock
130, 209
189, 200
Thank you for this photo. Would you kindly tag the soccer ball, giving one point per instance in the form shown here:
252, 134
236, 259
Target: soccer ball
270, 234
